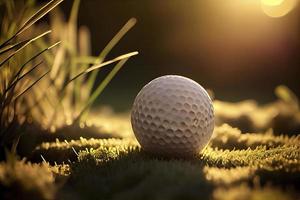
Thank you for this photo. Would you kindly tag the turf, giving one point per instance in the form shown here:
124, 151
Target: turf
262, 165
234, 165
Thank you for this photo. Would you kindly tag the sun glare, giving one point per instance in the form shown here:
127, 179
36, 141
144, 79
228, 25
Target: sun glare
278, 8
272, 2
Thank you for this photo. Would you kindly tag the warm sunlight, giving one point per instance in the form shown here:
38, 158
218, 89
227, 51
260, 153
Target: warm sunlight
278, 8
272, 2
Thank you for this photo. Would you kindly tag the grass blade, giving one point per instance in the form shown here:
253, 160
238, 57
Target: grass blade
39, 14
122, 57
34, 18
23, 46
63, 90
10, 47
131, 22
102, 86
21, 77
74, 12
286, 95
73, 40
25, 74
109, 47
86, 60
16, 78
57, 62
31, 85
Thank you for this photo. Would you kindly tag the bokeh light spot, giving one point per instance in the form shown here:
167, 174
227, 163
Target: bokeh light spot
272, 2
278, 8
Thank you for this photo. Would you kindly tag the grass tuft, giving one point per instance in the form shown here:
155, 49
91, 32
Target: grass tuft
226, 137
23, 180
282, 115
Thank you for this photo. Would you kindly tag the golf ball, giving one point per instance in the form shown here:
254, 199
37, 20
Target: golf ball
172, 116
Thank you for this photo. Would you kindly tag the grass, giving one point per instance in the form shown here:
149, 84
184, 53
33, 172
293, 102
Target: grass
17, 66
282, 115
234, 165
119, 169
47, 93
71, 84
21, 180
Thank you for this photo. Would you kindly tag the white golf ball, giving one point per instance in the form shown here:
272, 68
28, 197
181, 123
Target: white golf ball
172, 116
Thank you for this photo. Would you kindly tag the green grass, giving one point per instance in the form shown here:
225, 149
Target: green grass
21, 180
263, 166
52, 88
234, 165
18, 61
126, 172
282, 115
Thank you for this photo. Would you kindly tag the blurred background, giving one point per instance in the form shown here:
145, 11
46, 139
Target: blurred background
240, 49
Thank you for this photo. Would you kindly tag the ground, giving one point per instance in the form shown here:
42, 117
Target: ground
236, 164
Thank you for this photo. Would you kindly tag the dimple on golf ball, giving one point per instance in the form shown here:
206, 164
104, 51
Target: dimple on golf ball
172, 116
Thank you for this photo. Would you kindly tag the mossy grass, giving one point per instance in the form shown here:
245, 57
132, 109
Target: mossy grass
282, 115
120, 169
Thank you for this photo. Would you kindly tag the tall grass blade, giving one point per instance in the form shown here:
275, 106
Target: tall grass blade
43, 44
10, 7
108, 48
101, 87
84, 41
131, 22
63, 90
24, 75
74, 12
86, 60
286, 95
23, 46
73, 40
122, 57
16, 78
58, 60
34, 18
31, 85
10, 47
